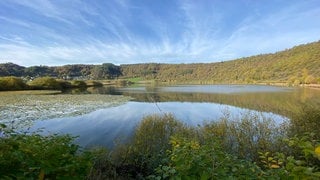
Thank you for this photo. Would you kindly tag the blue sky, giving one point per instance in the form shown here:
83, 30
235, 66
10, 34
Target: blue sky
58, 32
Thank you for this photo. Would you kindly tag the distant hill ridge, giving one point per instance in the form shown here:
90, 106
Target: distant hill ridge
300, 64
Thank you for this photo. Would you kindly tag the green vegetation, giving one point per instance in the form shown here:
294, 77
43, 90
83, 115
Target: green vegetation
31, 156
134, 80
164, 148
295, 66
106, 71
190, 159
161, 147
10, 69
11, 83
306, 120
43, 83
67, 72
39, 71
249, 148
79, 84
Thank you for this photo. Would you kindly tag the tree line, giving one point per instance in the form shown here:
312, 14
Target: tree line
75, 71
298, 65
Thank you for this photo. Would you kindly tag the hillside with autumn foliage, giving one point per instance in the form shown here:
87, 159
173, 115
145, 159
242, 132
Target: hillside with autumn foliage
298, 65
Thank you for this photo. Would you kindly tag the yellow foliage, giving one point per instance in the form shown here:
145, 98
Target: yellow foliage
317, 152
195, 145
274, 166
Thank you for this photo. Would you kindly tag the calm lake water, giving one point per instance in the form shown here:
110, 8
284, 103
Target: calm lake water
192, 104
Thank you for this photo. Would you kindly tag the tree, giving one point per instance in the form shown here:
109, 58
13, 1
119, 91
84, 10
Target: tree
37, 71
106, 71
310, 80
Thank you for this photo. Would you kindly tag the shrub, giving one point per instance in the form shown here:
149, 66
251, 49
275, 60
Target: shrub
297, 82
310, 80
11, 83
149, 143
303, 163
78, 84
146, 150
32, 156
45, 83
189, 159
64, 84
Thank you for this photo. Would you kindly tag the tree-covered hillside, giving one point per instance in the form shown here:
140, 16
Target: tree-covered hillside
10, 69
300, 64
75, 71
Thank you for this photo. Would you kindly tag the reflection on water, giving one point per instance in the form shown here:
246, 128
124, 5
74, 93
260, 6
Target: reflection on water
220, 89
191, 104
103, 126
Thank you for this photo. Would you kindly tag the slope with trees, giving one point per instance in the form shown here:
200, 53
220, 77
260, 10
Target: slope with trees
300, 64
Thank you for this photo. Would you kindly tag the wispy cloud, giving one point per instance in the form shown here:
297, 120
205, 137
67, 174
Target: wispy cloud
273, 32
15, 21
124, 31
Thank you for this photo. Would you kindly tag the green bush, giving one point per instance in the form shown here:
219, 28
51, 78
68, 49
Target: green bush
64, 84
231, 144
12, 83
32, 156
45, 83
78, 84
189, 159
149, 144
302, 163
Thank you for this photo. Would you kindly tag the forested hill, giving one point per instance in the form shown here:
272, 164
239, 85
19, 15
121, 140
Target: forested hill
78, 71
300, 64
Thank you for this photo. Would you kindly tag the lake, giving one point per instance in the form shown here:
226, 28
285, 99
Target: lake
192, 104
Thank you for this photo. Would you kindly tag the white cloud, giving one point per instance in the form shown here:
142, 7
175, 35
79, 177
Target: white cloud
15, 21
90, 33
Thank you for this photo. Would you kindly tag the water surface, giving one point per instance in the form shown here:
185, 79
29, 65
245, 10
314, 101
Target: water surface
191, 104
103, 126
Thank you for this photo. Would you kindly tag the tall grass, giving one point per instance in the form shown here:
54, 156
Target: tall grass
150, 146
246, 135
306, 119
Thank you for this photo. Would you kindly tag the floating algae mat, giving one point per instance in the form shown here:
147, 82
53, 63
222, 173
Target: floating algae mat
24, 107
